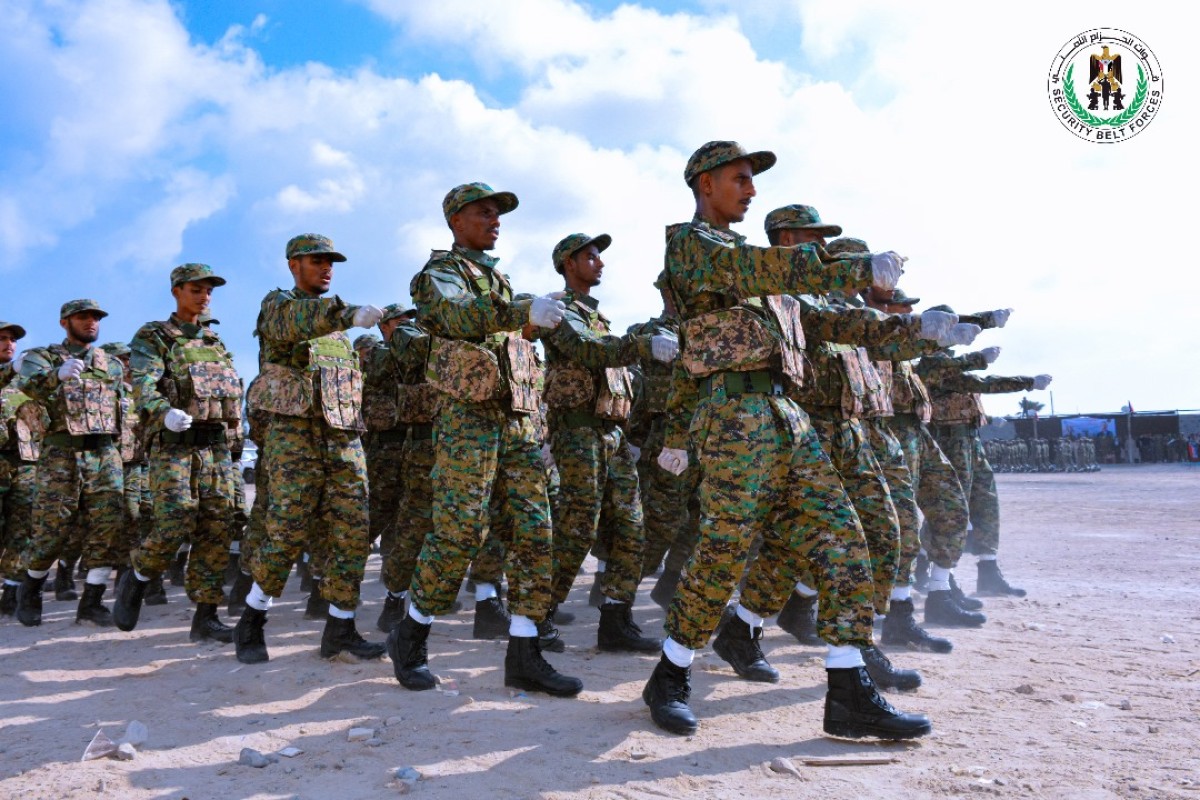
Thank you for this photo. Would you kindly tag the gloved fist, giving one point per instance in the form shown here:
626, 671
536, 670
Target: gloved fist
1000, 316
548, 311
17, 362
886, 269
1041, 381
664, 347
177, 421
990, 354
367, 317
962, 333
636, 451
71, 368
936, 324
673, 461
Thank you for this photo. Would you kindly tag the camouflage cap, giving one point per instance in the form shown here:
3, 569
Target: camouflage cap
899, 298
572, 244
662, 281
942, 307
713, 154
396, 310
116, 349
18, 331
312, 244
83, 304
847, 244
799, 216
460, 197
366, 340
185, 273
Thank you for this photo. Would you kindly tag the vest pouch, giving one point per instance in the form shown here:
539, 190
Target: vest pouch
282, 390
341, 390
732, 339
524, 374
91, 405
569, 385
463, 370
616, 395
853, 383
786, 311
417, 404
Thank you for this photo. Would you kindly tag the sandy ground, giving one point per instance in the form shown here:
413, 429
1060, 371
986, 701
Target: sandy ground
1088, 688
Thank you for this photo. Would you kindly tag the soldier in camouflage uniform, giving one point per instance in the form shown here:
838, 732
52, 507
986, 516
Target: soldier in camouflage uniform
386, 434
22, 424
311, 384
190, 397
485, 443
79, 476
764, 473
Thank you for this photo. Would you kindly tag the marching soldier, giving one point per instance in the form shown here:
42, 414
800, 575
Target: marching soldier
22, 425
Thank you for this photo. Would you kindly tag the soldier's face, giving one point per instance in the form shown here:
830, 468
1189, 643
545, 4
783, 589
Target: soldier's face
794, 236
8, 346
192, 298
82, 328
477, 225
313, 273
585, 266
729, 189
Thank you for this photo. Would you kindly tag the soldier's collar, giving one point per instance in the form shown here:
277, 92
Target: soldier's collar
76, 349
585, 300
699, 220
478, 256
190, 329
296, 290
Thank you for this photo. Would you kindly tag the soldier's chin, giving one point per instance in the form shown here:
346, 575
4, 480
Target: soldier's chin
88, 338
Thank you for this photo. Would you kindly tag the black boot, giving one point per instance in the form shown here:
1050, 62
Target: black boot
317, 607
524, 668
960, 599
991, 582
618, 632
127, 600
548, 637
664, 589
207, 625
738, 644
921, 573
887, 676
941, 609
491, 619
560, 617
156, 593
90, 609
248, 637
410, 660
29, 600
8, 600
854, 709
64, 586
392, 612
667, 693
178, 568
341, 636
799, 618
238, 593
901, 629
306, 576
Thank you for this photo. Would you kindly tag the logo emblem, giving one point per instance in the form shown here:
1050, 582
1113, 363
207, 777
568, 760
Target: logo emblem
1105, 86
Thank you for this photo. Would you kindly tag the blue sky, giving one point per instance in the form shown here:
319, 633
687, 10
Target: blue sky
141, 134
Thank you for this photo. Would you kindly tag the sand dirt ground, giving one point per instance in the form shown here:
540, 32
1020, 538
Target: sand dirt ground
1088, 688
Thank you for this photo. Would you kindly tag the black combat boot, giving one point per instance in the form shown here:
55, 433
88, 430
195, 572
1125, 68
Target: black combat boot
737, 643
391, 613
248, 637
207, 625
306, 576
799, 618
64, 585
855, 709
127, 600
560, 617
549, 638
491, 619
525, 669
921, 573
238, 593
317, 607
341, 636
410, 660
618, 632
991, 582
8, 600
29, 600
90, 609
179, 568
884, 674
156, 593
960, 599
941, 609
667, 693
664, 588
901, 629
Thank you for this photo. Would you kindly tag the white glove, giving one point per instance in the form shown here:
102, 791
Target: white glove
1041, 381
71, 368
1000, 317
936, 324
962, 333
177, 421
664, 347
990, 354
367, 317
547, 456
886, 269
548, 311
637, 452
17, 362
673, 461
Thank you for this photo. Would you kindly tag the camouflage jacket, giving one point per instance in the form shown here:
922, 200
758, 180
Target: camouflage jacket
380, 389
91, 403
417, 401
954, 390
651, 380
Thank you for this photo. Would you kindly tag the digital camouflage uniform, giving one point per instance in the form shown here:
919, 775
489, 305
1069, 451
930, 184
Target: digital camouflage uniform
384, 451
22, 424
137, 499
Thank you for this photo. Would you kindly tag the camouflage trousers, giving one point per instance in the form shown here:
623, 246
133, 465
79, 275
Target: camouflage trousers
239, 517
77, 490
414, 518
138, 503
765, 474
16, 511
193, 498
669, 505
890, 456
849, 448
939, 494
598, 485
962, 446
484, 451
384, 468
317, 476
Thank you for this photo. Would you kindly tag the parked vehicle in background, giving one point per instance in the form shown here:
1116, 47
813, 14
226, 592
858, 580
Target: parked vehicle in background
249, 463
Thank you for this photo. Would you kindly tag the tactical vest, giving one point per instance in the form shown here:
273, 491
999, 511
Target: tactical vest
129, 444
321, 378
27, 422
878, 402
200, 378
91, 402
760, 333
909, 395
836, 381
380, 401
608, 391
958, 408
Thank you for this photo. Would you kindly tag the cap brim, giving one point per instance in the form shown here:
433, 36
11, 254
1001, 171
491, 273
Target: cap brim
216, 280
17, 329
760, 161
505, 201
824, 230
99, 311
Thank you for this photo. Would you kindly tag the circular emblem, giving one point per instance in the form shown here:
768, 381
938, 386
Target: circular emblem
1105, 86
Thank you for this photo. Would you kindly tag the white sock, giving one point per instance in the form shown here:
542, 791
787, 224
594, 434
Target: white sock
805, 591
424, 619
258, 599
485, 591
939, 579
398, 595
521, 626
988, 557
338, 613
140, 577
677, 654
38, 573
749, 617
843, 657
98, 576
11, 582
901, 592
235, 547
608, 600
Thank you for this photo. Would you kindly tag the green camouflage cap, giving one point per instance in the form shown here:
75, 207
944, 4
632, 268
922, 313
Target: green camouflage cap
714, 154
943, 307
18, 331
799, 216
366, 340
461, 196
396, 310
83, 304
185, 273
312, 244
116, 349
899, 298
572, 244
847, 244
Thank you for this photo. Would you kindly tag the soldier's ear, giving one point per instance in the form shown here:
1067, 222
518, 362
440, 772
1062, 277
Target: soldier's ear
62, 323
